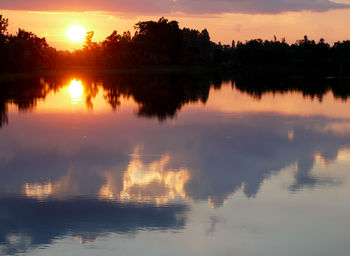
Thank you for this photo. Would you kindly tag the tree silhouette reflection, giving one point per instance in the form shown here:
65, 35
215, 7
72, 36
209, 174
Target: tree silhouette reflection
161, 96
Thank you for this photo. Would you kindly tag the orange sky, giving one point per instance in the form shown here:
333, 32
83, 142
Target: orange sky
331, 25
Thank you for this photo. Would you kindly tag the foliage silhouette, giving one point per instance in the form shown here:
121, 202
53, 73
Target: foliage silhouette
163, 42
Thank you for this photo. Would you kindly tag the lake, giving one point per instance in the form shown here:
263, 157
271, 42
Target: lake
174, 164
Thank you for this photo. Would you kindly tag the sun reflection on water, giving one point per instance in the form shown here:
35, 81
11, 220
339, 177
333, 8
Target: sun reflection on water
76, 90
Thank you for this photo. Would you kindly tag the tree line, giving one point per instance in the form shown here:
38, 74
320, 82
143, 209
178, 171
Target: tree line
163, 42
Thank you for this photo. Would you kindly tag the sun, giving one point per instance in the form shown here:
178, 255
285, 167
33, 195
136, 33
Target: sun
76, 33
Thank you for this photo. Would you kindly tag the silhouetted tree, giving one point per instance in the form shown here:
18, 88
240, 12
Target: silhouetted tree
3, 41
23, 51
341, 53
162, 42
158, 42
3, 25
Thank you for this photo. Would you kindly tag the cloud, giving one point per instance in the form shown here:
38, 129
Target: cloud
163, 7
256, 6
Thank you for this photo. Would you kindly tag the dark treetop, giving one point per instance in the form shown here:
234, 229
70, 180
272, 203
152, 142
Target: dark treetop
163, 43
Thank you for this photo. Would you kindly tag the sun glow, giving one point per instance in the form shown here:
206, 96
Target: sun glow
76, 33
76, 90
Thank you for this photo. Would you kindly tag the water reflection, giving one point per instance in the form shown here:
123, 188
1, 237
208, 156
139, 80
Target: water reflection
76, 90
199, 161
86, 174
160, 96
38, 191
146, 183
245, 148
27, 223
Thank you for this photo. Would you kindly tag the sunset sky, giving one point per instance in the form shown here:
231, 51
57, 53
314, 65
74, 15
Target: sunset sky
225, 19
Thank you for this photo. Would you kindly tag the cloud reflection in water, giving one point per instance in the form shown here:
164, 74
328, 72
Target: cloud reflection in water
84, 175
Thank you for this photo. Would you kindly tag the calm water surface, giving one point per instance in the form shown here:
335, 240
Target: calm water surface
174, 165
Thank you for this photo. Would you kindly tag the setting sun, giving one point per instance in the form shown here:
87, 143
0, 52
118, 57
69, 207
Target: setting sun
76, 33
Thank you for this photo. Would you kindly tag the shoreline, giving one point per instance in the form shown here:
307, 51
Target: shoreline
250, 72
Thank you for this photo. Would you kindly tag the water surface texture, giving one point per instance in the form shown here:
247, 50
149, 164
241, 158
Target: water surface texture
137, 164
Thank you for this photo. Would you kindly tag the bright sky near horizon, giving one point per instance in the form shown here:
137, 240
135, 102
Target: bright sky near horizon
226, 20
